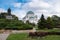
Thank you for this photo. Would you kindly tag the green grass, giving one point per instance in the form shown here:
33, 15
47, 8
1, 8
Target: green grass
52, 37
50, 30
24, 36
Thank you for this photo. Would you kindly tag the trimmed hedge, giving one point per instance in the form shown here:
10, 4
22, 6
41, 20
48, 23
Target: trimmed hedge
14, 25
42, 34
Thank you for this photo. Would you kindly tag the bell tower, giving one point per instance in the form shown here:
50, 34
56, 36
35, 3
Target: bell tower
9, 11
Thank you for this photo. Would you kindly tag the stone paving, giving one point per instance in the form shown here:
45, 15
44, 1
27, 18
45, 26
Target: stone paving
4, 36
21, 31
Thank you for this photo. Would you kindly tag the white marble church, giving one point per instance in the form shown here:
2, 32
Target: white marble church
31, 17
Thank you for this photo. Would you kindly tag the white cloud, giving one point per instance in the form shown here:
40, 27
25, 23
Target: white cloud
18, 5
2, 10
39, 3
57, 7
39, 7
19, 13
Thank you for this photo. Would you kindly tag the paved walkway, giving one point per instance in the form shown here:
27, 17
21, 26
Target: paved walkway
4, 36
22, 31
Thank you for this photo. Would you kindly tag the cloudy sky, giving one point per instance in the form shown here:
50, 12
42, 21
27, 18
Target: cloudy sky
21, 7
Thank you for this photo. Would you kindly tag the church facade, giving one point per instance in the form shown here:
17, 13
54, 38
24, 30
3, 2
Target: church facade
31, 17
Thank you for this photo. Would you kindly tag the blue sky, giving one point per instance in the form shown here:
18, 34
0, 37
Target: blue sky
21, 7
8, 3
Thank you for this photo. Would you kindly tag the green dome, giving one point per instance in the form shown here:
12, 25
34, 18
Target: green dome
30, 12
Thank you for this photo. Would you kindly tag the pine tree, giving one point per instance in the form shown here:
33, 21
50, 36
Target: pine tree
42, 22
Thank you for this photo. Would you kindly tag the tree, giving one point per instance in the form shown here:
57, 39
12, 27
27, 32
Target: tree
42, 22
27, 22
49, 23
56, 20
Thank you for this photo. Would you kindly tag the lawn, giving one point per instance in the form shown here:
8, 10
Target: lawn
50, 30
24, 36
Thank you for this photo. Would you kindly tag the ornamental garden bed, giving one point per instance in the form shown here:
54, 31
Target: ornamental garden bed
24, 36
42, 34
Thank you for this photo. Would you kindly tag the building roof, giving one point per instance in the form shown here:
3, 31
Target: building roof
30, 12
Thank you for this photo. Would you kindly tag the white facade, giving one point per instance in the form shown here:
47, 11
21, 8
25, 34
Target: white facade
31, 17
9, 17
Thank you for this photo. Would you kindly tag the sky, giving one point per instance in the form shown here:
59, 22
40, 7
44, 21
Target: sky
21, 7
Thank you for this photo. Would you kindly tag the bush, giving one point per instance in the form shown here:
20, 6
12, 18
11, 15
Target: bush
14, 25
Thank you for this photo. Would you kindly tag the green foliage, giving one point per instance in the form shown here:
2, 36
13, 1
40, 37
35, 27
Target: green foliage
24, 36
42, 22
50, 23
45, 23
14, 24
56, 20
27, 22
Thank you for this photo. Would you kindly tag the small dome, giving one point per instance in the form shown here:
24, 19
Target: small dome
9, 10
30, 12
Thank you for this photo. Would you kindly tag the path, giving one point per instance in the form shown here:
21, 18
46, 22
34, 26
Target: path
4, 36
22, 31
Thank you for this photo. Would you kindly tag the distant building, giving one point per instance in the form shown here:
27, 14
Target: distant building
31, 17
9, 11
8, 15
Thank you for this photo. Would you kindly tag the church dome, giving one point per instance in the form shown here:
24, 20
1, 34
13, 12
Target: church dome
30, 12
9, 11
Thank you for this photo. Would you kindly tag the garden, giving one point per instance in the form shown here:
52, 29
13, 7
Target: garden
46, 29
24, 36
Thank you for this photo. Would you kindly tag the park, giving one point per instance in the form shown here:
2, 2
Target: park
46, 29
29, 19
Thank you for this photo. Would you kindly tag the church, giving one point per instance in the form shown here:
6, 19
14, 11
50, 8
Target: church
8, 15
31, 17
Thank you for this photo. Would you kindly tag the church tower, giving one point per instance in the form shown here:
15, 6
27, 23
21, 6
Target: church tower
9, 11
